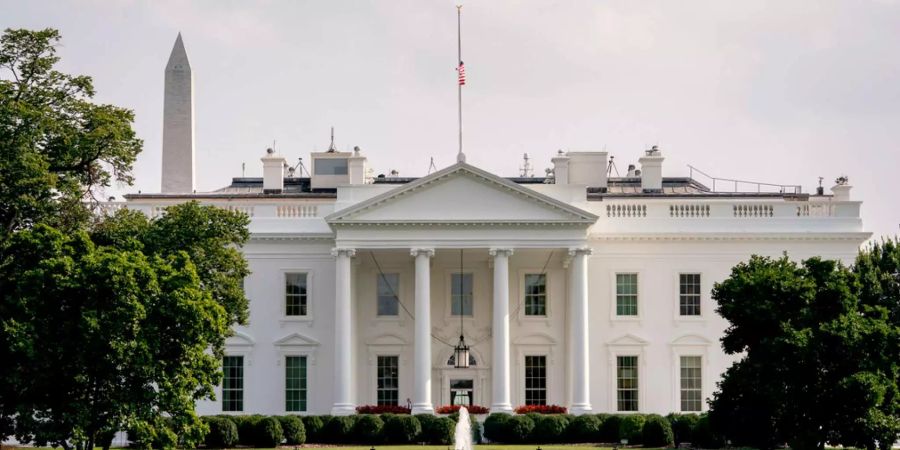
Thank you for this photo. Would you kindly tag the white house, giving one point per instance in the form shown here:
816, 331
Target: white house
577, 289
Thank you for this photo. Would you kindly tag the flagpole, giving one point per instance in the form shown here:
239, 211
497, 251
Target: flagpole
460, 157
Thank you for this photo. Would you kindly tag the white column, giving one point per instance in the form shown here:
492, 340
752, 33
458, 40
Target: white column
343, 361
500, 368
578, 315
422, 358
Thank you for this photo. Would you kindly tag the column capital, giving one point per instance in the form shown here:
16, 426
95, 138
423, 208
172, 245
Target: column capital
577, 251
341, 251
499, 251
427, 251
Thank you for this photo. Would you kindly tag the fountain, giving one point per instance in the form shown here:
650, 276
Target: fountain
463, 436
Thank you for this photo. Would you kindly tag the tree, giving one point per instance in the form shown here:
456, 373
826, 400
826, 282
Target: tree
106, 332
819, 366
106, 323
58, 148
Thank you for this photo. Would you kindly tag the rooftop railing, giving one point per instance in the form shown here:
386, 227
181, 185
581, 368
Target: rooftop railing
717, 184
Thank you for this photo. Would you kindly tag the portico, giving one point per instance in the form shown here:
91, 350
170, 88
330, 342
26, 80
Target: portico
495, 219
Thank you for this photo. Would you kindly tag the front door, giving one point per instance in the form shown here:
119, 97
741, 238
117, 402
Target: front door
462, 392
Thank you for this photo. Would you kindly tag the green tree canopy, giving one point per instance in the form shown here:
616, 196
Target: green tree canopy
106, 323
57, 146
818, 365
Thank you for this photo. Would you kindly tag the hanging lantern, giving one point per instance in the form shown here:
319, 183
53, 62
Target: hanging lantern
461, 352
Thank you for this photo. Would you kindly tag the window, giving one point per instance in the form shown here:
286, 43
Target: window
461, 294
535, 295
295, 383
233, 383
535, 380
627, 383
626, 294
388, 287
388, 380
689, 298
327, 166
295, 294
691, 382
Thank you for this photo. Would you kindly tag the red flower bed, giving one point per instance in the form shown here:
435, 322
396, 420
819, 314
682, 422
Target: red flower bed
450, 409
541, 409
382, 409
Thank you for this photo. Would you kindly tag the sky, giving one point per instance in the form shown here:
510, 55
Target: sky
769, 91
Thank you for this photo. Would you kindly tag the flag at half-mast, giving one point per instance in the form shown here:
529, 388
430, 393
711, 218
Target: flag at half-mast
462, 73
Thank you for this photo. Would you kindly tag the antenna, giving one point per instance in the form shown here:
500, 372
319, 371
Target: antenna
243, 170
331, 148
526, 171
431, 166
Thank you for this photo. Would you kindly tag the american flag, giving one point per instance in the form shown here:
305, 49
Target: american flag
462, 73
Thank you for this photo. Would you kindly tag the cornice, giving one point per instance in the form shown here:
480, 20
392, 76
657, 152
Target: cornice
719, 237
579, 215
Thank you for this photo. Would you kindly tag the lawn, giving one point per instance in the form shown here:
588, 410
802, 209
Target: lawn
428, 447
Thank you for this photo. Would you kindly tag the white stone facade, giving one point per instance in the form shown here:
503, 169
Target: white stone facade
612, 252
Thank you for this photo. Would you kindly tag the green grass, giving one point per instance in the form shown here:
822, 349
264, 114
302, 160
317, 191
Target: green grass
436, 447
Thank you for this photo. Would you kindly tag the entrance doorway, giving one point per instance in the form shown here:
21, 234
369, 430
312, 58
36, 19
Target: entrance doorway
462, 392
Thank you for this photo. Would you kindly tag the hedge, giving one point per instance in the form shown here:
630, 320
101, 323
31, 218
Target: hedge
550, 428
372, 430
368, 429
401, 429
436, 430
657, 432
294, 431
223, 433
338, 430
631, 427
315, 426
585, 428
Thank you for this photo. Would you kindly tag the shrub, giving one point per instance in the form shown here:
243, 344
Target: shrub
496, 427
450, 409
246, 426
401, 429
683, 426
704, 436
609, 428
294, 431
476, 430
382, 409
631, 427
223, 433
436, 430
657, 432
338, 430
268, 432
368, 429
541, 409
550, 428
585, 428
520, 429
314, 427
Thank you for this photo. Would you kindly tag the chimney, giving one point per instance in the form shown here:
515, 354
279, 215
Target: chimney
841, 189
587, 168
356, 167
273, 172
560, 168
651, 170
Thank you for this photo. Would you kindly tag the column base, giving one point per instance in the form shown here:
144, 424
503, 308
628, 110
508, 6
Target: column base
582, 408
422, 408
343, 409
502, 408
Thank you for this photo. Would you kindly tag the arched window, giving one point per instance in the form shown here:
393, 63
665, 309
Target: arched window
452, 360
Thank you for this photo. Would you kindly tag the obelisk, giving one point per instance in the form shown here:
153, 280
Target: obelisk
178, 124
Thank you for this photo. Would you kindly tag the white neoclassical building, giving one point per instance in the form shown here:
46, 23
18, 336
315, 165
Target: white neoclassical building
578, 289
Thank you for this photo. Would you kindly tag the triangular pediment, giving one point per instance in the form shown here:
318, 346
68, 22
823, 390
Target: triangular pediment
296, 340
628, 340
462, 194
